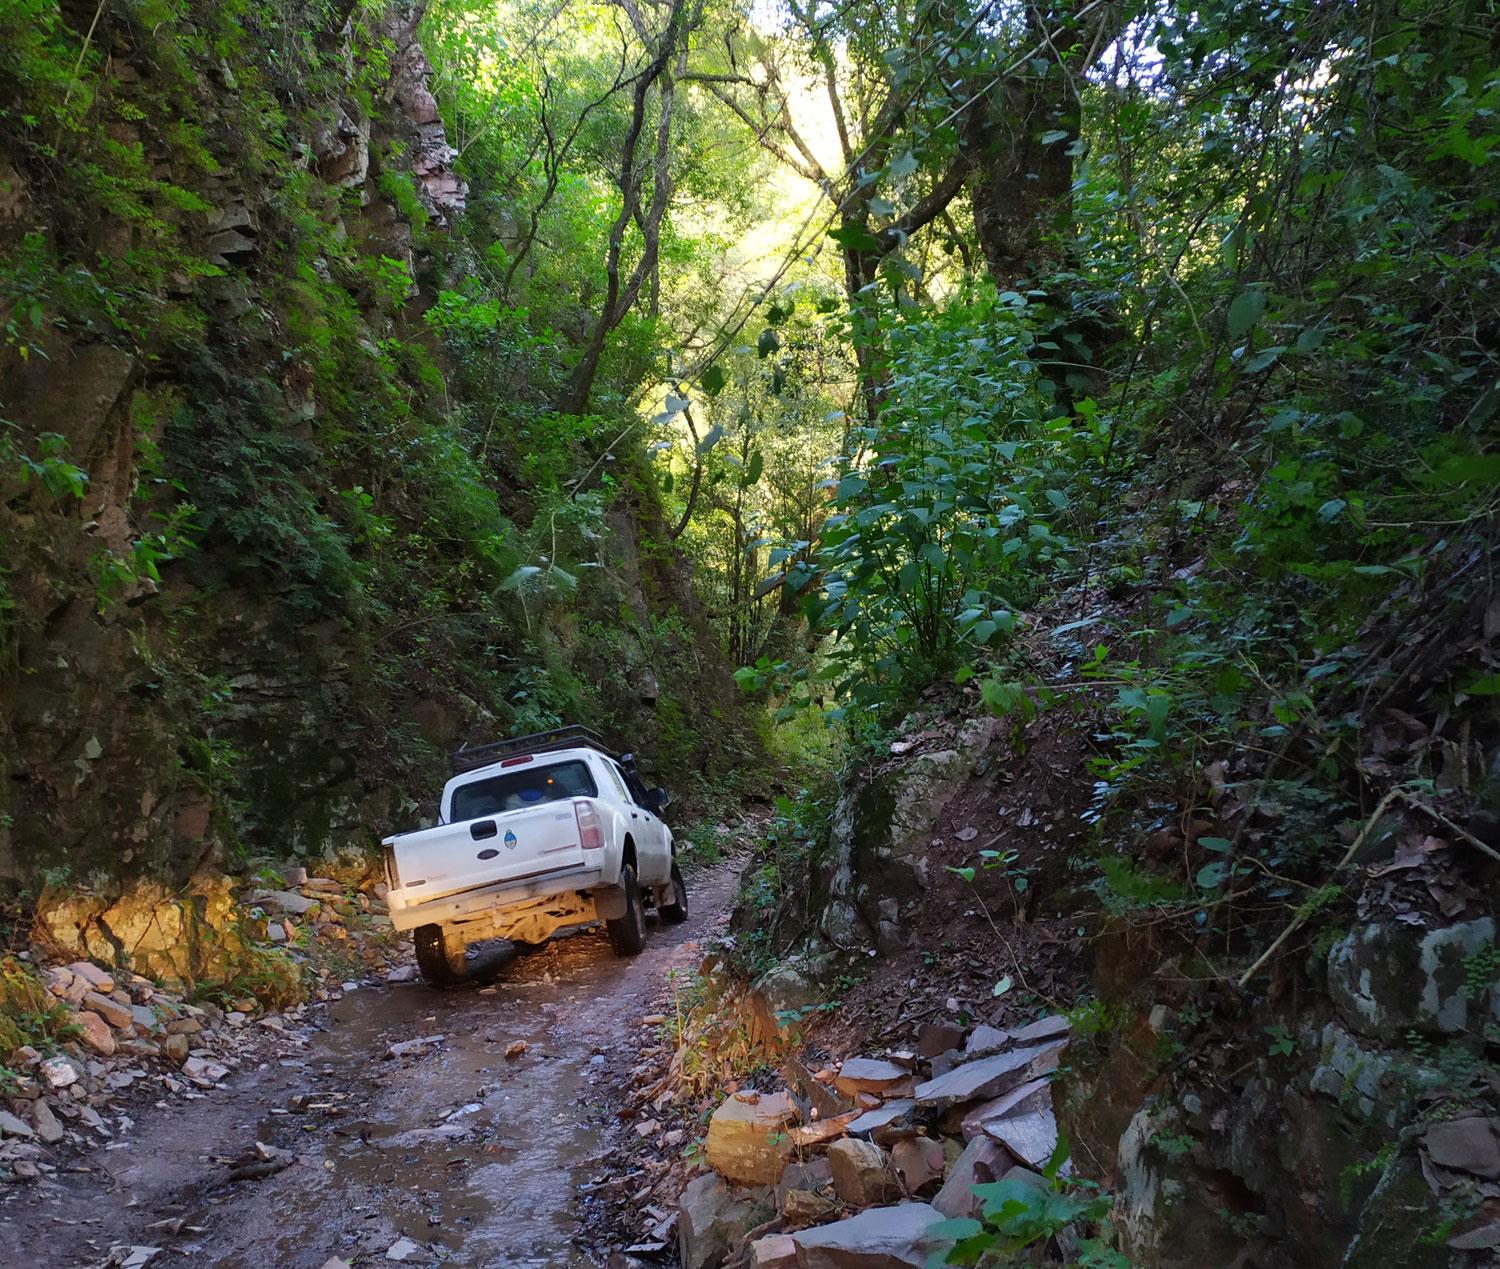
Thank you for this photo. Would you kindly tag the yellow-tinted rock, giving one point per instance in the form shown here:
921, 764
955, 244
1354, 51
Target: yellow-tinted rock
862, 1173
747, 1141
184, 937
96, 1032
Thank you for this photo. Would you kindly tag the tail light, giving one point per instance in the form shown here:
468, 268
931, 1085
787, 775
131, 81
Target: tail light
392, 874
590, 826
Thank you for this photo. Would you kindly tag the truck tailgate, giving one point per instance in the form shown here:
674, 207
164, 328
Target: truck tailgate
510, 846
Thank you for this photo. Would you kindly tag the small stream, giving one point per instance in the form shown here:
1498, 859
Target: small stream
472, 1147
465, 1149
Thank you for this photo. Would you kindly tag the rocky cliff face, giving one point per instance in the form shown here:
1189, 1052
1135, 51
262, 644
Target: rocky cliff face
252, 584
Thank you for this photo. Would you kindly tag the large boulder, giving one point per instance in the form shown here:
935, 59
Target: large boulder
183, 937
747, 1141
1387, 979
876, 867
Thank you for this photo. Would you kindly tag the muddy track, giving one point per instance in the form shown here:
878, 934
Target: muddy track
473, 1156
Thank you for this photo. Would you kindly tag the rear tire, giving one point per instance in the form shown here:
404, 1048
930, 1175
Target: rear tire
433, 959
676, 912
627, 935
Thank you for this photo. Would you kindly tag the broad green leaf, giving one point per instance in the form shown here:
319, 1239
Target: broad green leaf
1462, 468
1264, 358
1211, 876
902, 166
713, 380
855, 237
1244, 311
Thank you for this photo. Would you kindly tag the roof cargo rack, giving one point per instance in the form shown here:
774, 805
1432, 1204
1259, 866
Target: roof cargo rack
468, 757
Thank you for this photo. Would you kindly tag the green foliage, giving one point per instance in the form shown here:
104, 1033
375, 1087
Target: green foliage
1375, 1165
1282, 1042
398, 186
1017, 876
945, 524
1125, 887
29, 1013
48, 468
1016, 1214
1481, 972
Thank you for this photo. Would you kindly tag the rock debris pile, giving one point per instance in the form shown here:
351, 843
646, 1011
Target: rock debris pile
121, 1040
133, 1042
852, 1166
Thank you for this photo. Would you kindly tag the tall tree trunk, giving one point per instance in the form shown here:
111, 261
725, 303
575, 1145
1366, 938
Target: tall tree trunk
618, 296
1022, 188
1023, 145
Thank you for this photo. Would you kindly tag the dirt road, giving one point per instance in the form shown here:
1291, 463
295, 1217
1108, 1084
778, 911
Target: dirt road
473, 1157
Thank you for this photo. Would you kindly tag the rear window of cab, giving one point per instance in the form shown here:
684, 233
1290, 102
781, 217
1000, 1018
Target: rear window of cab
516, 790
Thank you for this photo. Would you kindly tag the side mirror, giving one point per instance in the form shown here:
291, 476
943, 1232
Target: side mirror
658, 799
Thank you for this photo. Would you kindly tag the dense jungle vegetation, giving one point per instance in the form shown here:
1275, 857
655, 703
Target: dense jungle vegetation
378, 376
847, 348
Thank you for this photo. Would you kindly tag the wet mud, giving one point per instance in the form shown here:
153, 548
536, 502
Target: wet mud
473, 1146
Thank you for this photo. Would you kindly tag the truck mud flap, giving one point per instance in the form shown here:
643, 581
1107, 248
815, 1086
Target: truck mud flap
609, 902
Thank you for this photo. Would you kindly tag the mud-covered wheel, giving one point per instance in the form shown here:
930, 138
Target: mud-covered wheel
434, 957
627, 934
676, 912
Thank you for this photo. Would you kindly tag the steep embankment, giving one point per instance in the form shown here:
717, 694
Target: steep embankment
1280, 1063
268, 542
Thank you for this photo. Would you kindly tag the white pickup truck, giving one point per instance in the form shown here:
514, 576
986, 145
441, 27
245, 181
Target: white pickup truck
537, 834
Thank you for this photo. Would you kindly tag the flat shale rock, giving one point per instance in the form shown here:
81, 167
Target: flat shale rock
988, 1076
869, 1075
1033, 1095
880, 1238
1031, 1137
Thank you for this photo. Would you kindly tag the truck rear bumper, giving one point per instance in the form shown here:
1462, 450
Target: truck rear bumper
484, 901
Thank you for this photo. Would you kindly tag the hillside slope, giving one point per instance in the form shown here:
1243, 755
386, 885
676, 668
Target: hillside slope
261, 556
